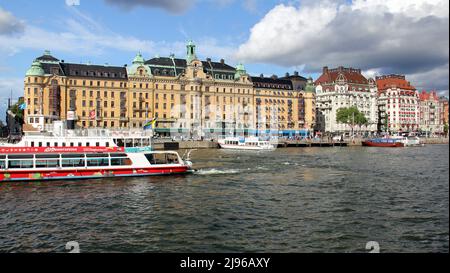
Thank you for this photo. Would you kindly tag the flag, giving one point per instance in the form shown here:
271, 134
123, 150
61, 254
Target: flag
92, 114
23, 106
150, 124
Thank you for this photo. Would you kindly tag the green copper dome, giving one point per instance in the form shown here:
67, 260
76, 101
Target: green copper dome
240, 71
138, 59
35, 69
310, 86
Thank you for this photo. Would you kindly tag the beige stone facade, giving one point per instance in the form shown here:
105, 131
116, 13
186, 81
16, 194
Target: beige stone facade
191, 97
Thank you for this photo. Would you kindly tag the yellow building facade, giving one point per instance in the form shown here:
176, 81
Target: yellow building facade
194, 98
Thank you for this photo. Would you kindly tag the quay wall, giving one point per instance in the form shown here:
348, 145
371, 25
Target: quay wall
174, 145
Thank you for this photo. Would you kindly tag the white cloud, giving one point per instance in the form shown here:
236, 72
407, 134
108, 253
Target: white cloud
83, 36
390, 36
9, 24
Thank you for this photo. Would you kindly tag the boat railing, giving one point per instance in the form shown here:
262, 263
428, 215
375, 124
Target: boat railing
98, 132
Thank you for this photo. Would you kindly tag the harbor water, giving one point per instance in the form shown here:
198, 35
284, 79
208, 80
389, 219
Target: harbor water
289, 200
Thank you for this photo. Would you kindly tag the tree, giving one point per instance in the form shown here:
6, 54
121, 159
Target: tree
351, 116
15, 109
446, 129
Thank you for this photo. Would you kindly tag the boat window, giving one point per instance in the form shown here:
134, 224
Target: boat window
71, 144
107, 144
72, 155
87, 144
72, 162
2, 164
118, 155
40, 144
20, 156
47, 163
97, 155
20, 164
47, 156
48, 144
162, 158
98, 162
64, 144
79, 144
56, 144
97, 144
2, 156
120, 162
32, 143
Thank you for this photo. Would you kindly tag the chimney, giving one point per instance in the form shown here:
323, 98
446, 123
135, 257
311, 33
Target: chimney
296, 73
287, 74
208, 60
62, 61
222, 61
274, 77
261, 75
325, 70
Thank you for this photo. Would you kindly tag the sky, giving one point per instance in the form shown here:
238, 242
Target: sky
267, 36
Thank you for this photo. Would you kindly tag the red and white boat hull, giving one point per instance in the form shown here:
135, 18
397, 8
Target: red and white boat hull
34, 164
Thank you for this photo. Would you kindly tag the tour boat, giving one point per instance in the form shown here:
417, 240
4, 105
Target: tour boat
249, 143
383, 142
59, 163
408, 140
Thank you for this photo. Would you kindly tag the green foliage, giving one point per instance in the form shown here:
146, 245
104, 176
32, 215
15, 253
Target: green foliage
351, 116
446, 128
16, 110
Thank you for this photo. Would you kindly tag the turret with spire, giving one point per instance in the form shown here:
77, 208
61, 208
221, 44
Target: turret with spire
191, 55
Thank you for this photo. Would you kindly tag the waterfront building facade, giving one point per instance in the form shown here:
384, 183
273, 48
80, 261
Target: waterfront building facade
307, 102
430, 113
344, 87
444, 110
398, 104
187, 96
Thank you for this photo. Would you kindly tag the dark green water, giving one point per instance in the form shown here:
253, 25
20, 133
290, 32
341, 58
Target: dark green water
290, 200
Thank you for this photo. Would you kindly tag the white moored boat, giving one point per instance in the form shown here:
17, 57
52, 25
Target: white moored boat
407, 141
249, 143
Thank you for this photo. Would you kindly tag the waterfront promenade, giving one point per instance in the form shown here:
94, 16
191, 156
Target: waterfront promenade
169, 145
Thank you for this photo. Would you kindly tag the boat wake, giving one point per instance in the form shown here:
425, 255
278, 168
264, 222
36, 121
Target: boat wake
217, 171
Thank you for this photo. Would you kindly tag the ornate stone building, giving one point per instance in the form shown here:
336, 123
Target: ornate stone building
344, 87
307, 101
187, 96
398, 104
430, 113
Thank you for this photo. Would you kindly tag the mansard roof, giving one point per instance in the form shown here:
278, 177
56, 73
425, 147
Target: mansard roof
432, 95
94, 71
351, 75
47, 58
265, 82
393, 81
167, 66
